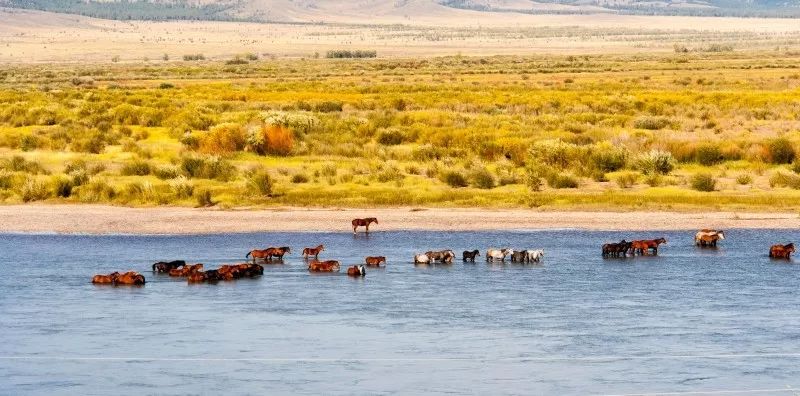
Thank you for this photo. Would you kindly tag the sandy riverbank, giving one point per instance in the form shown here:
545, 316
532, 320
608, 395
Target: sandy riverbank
99, 219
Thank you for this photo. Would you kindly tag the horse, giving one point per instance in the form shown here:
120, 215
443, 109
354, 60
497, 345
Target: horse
356, 270
518, 256
616, 249
470, 256
186, 270
130, 278
444, 256
229, 272
258, 254
781, 251
105, 279
278, 252
422, 259
644, 246
324, 266
165, 266
497, 254
313, 251
197, 277
363, 223
250, 270
708, 238
534, 255
375, 261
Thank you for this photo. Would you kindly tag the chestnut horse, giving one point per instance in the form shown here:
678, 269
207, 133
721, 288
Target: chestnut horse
130, 278
421, 259
186, 270
313, 251
229, 272
470, 256
375, 261
356, 270
781, 251
323, 266
644, 246
165, 266
363, 223
269, 253
105, 279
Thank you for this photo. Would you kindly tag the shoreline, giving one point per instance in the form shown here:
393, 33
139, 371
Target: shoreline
104, 220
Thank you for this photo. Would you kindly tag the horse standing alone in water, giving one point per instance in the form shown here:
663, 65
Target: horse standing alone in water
363, 223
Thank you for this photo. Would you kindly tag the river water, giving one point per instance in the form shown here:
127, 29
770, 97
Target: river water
689, 320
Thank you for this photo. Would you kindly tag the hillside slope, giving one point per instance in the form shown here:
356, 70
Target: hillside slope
367, 11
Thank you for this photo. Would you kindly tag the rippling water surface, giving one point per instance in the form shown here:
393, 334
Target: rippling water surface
688, 320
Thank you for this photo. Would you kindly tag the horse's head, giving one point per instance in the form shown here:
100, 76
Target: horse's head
373, 220
661, 240
789, 247
286, 249
721, 234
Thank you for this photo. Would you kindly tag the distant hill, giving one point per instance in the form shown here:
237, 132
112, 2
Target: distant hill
742, 8
331, 10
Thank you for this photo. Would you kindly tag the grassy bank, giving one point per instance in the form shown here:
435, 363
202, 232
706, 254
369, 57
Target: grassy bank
679, 131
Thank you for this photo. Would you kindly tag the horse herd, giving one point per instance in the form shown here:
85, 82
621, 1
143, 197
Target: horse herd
195, 273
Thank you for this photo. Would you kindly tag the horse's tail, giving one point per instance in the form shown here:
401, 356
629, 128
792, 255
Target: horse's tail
248, 254
154, 267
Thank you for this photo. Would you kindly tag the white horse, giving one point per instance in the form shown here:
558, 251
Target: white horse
534, 255
708, 237
497, 254
422, 259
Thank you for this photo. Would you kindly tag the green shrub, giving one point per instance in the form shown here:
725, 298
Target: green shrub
18, 163
136, 168
651, 123
62, 186
390, 173
780, 179
328, 170
7, 180
300, 178
608, 158
33, 189
627, 179
204, 198
703, 182
557, 153
181, 187
166, 172
211, 167
781, 151
744, 179
482, 178
454, 179
97, 190
260, 183
561, 180
655, 162
339, 54
708, 154
391, 136
166, 85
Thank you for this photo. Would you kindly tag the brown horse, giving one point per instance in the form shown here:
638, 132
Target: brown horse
356, 270
375, 261
186, 270
313, 251
197, 277
363, 223
470, 256
165, 266
645, 246
617, 249
130, 278
268, 253
105, 279
781, 251
228, 272
250, 270
323, 266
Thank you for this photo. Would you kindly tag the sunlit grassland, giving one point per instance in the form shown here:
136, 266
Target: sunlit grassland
551, 132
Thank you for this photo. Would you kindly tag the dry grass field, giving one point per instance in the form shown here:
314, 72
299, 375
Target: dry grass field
32, 36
